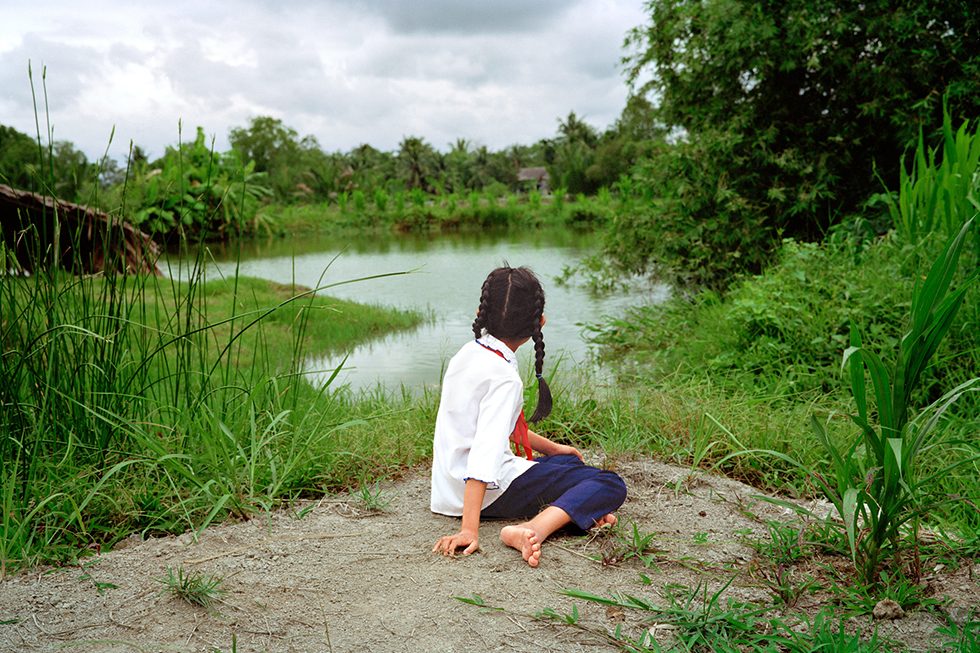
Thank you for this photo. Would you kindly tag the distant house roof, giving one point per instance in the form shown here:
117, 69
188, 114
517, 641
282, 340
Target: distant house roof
532, 174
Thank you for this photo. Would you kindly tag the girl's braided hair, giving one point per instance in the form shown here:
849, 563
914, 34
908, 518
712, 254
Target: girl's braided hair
511, 306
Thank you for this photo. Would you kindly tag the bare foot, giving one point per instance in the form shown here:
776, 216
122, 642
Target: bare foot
608, 520
523, 539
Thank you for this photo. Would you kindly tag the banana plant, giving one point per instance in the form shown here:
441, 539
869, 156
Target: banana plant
878, 494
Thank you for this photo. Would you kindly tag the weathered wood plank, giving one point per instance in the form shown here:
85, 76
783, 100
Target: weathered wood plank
40, 231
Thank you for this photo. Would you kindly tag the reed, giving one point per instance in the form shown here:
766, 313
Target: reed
135, 402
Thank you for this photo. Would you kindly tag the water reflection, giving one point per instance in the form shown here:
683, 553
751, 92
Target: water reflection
448, 272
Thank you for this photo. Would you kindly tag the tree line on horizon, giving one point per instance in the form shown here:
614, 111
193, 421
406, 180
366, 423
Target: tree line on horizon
579, 158
746, 122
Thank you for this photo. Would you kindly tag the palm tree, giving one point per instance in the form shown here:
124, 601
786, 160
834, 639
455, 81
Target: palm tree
418, 163
459, 166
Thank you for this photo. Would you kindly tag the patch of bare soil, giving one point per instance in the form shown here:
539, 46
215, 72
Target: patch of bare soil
332, 576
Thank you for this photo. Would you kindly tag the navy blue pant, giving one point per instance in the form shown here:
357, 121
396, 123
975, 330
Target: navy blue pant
586, 493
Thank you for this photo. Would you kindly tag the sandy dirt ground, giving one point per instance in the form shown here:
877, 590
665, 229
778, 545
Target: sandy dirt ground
333, 576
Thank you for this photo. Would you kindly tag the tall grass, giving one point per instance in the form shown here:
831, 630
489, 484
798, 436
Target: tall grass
941, 191
145, 403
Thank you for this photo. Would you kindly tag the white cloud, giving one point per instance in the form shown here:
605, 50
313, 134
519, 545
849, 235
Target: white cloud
346, 72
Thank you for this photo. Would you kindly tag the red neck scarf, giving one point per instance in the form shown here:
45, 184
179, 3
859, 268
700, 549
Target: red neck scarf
519, 437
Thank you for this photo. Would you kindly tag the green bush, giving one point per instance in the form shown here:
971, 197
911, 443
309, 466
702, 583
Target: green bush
700, 230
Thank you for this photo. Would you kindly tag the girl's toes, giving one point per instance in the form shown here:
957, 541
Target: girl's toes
534, 559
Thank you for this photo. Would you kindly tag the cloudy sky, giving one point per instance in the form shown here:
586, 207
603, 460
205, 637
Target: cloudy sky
496, 72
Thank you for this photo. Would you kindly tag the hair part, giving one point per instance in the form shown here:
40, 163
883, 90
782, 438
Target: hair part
511, 306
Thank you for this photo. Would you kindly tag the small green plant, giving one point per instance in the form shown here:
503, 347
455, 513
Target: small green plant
477, 600
824, 633
634, 544
193, 587
695, 452
782, 581
100, 586
783, 546
862, 598
826, 536
303, 512
373, 497
571, 618
961, 637
700, 620
234, 645
700, 538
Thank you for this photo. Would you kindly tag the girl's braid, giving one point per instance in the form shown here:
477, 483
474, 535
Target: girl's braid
544, 392
481, 312
536, 334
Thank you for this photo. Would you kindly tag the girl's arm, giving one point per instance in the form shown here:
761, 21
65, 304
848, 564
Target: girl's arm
469, 533
543, 445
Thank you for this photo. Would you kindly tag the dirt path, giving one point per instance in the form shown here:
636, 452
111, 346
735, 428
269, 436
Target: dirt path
330, 576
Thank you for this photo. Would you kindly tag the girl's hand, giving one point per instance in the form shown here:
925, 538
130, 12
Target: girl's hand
567, 450
466, 540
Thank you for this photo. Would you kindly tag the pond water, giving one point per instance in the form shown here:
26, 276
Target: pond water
446, 273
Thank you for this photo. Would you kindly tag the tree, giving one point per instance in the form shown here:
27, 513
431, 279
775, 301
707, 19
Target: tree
60, 169
367, 168
418, 163
575, 130
18, 158
266, 140
194, 191
294, 166
458, 167
797, 102
573, 154
634, 137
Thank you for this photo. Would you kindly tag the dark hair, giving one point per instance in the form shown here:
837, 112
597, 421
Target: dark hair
511, 306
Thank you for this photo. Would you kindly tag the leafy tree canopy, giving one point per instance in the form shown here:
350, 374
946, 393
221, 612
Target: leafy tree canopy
784, 109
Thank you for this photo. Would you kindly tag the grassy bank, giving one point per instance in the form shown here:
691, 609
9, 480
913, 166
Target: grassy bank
746, 371
418, 211
152, 405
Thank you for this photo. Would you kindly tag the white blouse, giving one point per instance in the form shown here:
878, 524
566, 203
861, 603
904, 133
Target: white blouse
482, 395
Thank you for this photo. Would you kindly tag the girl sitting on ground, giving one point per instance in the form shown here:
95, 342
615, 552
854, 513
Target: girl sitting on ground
474, 472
